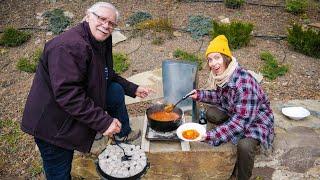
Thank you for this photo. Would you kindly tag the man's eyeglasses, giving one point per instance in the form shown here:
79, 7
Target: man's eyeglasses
104, 20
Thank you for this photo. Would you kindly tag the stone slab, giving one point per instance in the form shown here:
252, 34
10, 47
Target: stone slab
297, 137
316, 25
152, 79
169, 161
117, 37
312, 121
84, 168
191, 165
300, 159
296, 144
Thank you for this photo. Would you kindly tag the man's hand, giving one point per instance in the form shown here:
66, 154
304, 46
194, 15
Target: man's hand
114, 128
143, 92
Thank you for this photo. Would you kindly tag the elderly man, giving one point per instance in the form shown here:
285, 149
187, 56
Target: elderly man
74, 84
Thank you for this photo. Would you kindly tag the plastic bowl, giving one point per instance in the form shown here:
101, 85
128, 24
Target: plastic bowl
296, 113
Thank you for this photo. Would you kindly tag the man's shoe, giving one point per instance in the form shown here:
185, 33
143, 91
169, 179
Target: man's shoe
98, 136
133, 135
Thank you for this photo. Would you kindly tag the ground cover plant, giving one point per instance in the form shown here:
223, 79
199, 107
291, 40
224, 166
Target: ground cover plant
304, 41
29, 64
296, 6
233, 4
120, 62
12, 37
271, 69
182, 55
138, 17
238, 33
160, 29
157, 25
58, 22
199, 26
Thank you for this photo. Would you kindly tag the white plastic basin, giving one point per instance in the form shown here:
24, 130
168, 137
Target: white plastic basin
296, 113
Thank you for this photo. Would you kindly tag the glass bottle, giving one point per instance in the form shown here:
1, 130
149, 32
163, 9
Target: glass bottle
202, 118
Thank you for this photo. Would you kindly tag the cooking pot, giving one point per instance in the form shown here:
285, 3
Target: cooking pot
109, 177
111, 166
163, 126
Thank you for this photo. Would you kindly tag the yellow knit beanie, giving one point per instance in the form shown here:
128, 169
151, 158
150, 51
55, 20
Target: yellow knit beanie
220, 45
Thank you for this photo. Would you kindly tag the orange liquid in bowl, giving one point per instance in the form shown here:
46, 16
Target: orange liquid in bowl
190, 134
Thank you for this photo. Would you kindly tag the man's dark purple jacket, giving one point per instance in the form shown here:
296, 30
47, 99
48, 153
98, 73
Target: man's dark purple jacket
66, 103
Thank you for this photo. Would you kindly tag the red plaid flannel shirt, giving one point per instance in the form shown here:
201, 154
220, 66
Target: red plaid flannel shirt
248, 107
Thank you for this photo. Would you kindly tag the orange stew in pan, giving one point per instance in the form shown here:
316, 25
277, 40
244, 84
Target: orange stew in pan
190, 134
164, 116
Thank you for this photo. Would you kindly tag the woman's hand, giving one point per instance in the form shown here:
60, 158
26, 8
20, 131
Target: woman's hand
195, 94
203, 137
114, 128
143, 92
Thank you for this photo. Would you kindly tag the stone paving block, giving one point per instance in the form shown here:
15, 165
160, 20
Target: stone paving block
191, 165
152, 79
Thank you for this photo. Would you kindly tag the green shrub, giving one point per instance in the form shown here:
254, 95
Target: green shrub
296, 6
25, 65
57, 20
237, 33
12, 37
157, 25
199, 26
271, 69
120, 62
304, 41
233, 4
29, 64
179, 54
138, 17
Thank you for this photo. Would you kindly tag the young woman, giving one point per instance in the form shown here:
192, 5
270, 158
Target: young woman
240, 107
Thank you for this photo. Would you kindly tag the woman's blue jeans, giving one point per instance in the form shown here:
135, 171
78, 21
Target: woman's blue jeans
56, 160
116, 106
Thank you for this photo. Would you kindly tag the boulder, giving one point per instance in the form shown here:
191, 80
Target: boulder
201, 162
84, 168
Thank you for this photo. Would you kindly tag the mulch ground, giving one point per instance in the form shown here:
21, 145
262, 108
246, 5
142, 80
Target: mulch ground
301, 82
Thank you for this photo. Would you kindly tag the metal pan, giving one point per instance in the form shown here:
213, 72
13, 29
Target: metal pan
163, 126
109, 177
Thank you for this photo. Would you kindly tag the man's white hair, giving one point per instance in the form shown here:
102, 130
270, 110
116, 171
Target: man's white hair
98, 5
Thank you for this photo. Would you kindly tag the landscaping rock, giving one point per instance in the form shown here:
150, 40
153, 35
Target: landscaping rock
300, 159
84, 168
117, 37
